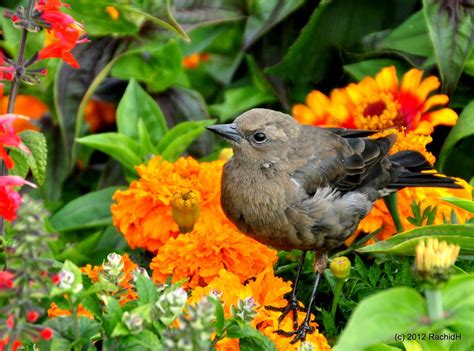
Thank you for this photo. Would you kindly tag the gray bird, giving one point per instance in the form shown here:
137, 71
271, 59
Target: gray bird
292, 186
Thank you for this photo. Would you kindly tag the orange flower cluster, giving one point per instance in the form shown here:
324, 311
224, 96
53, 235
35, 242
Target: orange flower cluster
193, 61
26, 105
266, 290
54, 311
210, 247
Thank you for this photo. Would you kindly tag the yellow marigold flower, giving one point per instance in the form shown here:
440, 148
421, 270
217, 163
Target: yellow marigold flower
379, 216
380, 103
129, 266
210, 247
54, 311
435, 256
143, 211
267, 290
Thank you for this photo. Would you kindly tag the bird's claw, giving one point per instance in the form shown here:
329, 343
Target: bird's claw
293, 306
299, 333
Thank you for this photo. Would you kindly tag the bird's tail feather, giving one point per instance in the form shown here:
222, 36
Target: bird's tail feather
412, 168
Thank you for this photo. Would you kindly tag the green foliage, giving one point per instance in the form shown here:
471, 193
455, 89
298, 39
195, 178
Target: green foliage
405, 243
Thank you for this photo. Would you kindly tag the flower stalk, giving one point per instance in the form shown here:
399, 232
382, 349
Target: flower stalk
392, 206
435, 304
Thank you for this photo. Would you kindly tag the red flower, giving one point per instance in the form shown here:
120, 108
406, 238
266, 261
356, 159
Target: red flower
62, 32
9, 199
8, 137
47, 333
6, 280
6, 72
55, 279
4, 344
32, 316
11, 321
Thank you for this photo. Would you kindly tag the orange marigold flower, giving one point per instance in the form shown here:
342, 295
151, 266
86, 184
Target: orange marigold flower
425, 197
143, 211
380, 103
54, 311
210, 247
266, 290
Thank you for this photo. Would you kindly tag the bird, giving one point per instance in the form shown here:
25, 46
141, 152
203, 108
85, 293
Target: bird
292, 186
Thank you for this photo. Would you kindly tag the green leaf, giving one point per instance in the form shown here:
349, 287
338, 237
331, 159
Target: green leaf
137, 104
405, 243
451, 28
252, 340
461, 132
265, 14
219, 324
177, 140
159, 68
87, 211
113, 315
394, 311
145, 340
78, 253
21, 167
147, 291
469, 66
467, 205
36, 143
145, 143
360, 70
458, 302
411, 37
238, 100
119, 146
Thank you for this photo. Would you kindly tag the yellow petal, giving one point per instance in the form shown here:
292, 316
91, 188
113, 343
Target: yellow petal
427, 86
435, 100
411, 80
387, 79
424, 127
303, 114
317, 101
445, 116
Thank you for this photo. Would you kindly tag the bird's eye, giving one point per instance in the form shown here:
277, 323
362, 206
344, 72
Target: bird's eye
259, 137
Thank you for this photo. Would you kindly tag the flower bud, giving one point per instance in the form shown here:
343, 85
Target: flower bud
434, 259
46, 333
306, 346
139, 271
340, 267
170, 305
32, 316
114, 265
133, 321
244, 310
186, 209
66, 279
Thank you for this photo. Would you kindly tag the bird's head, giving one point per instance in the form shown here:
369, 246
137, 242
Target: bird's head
260, 135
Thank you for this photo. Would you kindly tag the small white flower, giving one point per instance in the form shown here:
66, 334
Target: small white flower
66, 279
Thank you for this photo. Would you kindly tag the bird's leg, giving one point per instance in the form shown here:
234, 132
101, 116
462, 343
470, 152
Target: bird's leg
293, 305
320, 264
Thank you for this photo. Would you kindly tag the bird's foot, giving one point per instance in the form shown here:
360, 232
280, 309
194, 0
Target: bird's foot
299, 334
293, 306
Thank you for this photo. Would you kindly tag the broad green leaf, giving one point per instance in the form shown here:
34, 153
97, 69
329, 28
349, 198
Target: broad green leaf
78, 253
145, 340
458, 302
467, 205
219, 324
36, 143
223, 67
380, 316
21, 167
451, 28
265, 14
254, 340
258, 77
177, 140
90, 210
411, 37
461, 133
159, 67
360, 70
119, 146
145, 144
137, 104
238, 100
405, 243
469, 66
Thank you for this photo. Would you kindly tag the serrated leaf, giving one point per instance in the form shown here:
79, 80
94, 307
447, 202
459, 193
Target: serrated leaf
36, 143
467, 205
451, 28
118, 146
147, 291
21, 167
137, 104
177, 139
405, 243
90, 210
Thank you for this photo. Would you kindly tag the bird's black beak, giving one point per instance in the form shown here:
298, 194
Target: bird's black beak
228, 131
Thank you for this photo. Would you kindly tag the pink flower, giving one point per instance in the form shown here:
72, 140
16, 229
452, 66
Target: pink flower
6, 280
8, 137
10, 200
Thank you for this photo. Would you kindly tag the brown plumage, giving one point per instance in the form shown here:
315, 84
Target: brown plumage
291, 186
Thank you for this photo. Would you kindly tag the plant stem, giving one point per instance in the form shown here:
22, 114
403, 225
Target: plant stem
435, 304
15, 85
392, 205
337, 295
75, 326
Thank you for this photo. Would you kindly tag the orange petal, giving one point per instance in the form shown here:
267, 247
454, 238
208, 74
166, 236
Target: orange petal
303, 114
411, 80
387, 79
427, 86
317, 101
445, 116
435, 100
424, 127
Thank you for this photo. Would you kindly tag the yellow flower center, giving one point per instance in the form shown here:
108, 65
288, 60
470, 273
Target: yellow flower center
186, 209
379, 112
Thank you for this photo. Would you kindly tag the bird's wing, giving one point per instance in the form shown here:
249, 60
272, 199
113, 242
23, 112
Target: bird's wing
352, 133
346, 169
